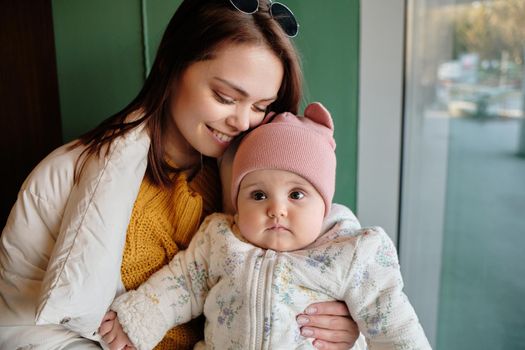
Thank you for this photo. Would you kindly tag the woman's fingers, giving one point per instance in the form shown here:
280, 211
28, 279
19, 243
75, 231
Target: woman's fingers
330, 324
331, 335
328, 308
324, 345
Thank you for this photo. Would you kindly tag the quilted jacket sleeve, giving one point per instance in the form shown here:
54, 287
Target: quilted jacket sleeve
26, 243
173, 295
88, 249
29, 236
375, 298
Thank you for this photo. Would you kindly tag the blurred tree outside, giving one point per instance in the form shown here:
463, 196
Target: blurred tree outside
495, 30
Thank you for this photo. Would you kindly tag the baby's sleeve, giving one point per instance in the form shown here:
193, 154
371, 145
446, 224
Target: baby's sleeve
375, 298
172, 296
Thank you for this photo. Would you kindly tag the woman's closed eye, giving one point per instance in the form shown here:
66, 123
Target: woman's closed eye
259, 109
223, 99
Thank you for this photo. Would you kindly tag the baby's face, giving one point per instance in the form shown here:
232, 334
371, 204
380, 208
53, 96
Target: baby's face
279, 210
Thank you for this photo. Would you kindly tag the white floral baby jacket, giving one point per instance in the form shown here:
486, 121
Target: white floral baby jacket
252, 296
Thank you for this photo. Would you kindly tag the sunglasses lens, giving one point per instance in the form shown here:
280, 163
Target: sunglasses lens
246, 6
284, 16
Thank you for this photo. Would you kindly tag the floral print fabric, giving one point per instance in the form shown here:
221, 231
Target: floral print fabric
251, 296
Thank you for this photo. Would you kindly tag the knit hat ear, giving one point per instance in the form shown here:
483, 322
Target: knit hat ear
267, 118
318, 113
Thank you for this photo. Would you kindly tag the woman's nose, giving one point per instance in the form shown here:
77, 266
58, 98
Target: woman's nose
240, 120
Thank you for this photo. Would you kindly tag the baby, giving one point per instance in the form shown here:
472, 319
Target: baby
286, 247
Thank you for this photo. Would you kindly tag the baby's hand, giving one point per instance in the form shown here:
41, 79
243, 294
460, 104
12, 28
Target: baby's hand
111, 332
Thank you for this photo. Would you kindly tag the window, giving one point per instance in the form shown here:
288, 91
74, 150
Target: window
461, 222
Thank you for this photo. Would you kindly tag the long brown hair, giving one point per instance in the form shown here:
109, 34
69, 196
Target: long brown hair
197, 29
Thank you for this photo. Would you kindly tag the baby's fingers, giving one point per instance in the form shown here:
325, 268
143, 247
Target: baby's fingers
110, 315
105, 327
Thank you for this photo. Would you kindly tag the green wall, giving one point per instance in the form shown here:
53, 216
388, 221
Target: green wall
104, 49
99, 59
329, 44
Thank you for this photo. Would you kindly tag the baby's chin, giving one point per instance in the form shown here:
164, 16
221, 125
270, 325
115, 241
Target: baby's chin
279, 241
286, 246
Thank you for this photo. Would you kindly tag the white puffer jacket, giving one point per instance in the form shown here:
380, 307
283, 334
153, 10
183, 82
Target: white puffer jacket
61, 249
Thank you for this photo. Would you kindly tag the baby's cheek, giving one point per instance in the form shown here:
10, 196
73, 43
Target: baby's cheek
313, 227
244, 227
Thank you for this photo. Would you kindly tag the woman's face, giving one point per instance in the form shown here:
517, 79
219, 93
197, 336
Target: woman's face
217, 99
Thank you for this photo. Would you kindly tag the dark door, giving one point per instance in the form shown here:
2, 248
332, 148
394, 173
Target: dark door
29, 105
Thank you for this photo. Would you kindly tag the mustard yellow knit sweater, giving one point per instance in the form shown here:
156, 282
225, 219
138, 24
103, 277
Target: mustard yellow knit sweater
163, 221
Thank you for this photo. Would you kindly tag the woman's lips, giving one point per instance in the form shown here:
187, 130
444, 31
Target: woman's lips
221, 137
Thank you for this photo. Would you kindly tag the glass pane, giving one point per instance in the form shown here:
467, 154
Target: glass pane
462, 237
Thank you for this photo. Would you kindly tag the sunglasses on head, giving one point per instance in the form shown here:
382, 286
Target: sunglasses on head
279, 12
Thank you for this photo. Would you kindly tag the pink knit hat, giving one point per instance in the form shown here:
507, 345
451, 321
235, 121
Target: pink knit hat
302, 145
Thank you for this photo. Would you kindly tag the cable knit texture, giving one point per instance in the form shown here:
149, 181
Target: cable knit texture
163, 221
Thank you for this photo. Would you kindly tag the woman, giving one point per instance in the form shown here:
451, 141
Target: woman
100, 215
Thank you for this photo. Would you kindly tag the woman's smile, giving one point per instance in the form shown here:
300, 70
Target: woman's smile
221, 137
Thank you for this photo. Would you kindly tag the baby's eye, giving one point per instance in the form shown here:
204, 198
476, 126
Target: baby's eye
258, 195
296, 195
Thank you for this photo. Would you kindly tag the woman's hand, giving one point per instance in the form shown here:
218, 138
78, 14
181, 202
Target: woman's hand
113, 334
330, 324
